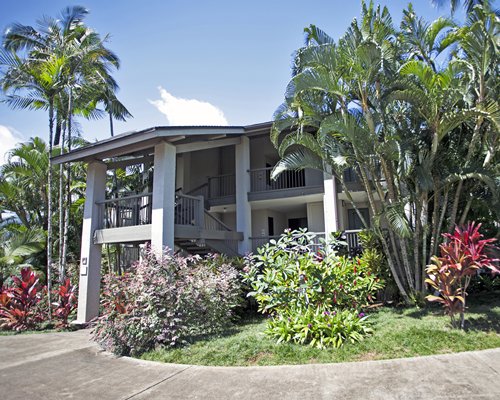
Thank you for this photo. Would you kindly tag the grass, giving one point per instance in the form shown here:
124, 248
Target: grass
398, 332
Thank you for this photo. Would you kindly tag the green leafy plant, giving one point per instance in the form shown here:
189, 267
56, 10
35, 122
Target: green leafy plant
462, 255
299, 286
167, 300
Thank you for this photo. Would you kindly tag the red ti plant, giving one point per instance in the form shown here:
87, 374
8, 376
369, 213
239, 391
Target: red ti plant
462, 255
67, 303
19, 303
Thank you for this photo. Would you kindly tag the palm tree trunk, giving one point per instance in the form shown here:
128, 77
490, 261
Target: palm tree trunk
68, 186
49, 211
61, 211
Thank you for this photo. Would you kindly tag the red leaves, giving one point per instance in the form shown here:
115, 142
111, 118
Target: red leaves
18, 304
67, 303
464, 252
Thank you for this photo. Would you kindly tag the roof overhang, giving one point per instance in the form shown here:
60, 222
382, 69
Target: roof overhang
184, 138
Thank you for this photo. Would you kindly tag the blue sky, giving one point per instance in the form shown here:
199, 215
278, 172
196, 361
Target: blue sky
233, 55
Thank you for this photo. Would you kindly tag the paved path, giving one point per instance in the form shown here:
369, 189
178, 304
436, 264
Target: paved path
68, 366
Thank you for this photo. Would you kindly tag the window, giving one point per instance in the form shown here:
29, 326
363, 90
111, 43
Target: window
353, 220
270, 226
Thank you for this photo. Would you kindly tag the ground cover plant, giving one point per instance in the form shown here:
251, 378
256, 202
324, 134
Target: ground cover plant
167, 300
399, 332
312, 296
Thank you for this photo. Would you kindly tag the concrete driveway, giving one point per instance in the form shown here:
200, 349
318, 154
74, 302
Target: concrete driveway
69, 366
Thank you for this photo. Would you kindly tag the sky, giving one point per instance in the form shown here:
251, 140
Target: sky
219, 62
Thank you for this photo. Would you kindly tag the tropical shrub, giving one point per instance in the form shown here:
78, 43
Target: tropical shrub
66, 304
166, 300
463, 254
23, 303
19, 303
312, 297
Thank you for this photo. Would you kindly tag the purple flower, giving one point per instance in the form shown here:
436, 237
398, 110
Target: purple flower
361, 314
309, 326
329, 325
327, 312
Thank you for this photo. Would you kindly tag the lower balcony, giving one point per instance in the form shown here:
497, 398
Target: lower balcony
128, 220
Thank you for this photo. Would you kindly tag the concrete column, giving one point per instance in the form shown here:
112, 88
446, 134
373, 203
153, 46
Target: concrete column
90, 262
179, 173
330, 201
162, 226
243, 208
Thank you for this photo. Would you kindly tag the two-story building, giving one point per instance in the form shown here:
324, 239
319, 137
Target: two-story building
210, 191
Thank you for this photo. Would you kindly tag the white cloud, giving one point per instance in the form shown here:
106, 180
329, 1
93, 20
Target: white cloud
188, 111
9, 137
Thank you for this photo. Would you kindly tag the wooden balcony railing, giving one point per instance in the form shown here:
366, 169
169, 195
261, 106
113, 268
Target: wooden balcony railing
260, 180
221, 186
125, 211
189, 210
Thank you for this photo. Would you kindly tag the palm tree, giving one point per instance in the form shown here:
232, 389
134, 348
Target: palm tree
85, 61
20, 246
377, 101
468, 5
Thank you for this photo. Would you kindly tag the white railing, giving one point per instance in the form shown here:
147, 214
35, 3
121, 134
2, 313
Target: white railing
125, 211
351, 237
260, 180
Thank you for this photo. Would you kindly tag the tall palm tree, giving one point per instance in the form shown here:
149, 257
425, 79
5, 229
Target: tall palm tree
86, 59
377, 100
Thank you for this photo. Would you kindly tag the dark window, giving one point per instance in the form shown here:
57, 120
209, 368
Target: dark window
350, 175
297, 223
353, 220
270, 226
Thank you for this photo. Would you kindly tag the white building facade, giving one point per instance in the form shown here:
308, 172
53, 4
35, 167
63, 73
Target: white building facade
209, 189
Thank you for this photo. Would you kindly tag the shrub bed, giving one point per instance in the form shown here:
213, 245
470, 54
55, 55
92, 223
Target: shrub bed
23, 304
167, 300
311, 296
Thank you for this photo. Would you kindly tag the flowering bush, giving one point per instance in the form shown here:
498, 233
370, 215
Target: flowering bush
299, 286
166, 300
462, 255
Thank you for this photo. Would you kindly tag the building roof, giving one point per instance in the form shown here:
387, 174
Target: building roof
144, 140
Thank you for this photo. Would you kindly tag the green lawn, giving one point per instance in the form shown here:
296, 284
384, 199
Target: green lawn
397, 333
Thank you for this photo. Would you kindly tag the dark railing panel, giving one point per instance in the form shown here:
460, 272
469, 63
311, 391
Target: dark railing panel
212, 223
125, 211
221, 186
188, 210
260, 180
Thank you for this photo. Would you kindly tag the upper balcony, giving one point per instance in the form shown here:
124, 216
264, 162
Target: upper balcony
221, 189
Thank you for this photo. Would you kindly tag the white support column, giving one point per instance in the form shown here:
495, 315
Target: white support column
90, 262
162, 226
330, 201
243, 208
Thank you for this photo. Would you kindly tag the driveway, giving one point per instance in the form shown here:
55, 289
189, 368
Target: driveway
69, 366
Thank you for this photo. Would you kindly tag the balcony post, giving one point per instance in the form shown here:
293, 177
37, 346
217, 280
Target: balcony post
90, 261
330, 201
243, 208
162, 215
